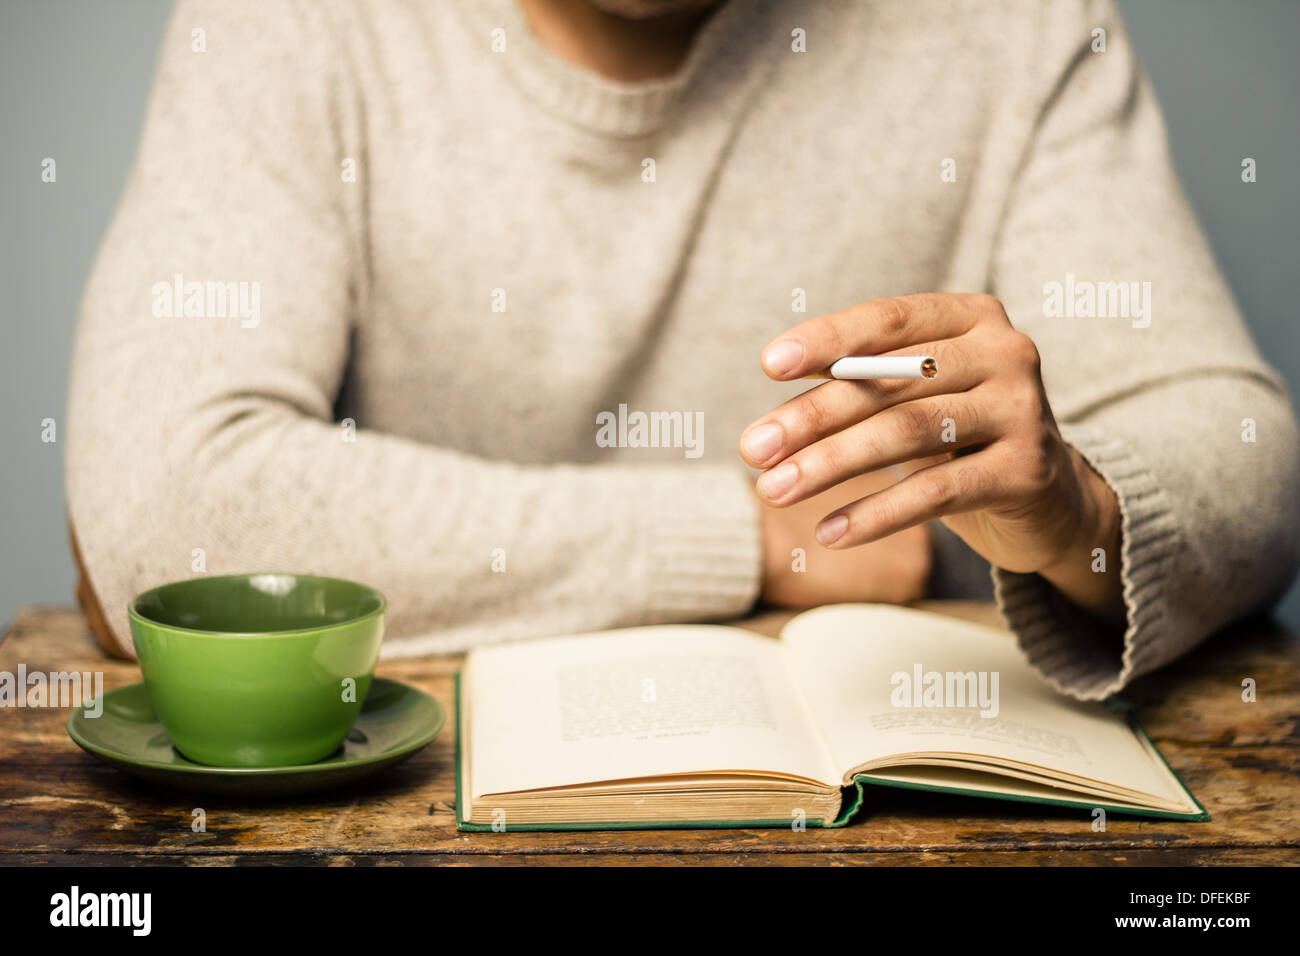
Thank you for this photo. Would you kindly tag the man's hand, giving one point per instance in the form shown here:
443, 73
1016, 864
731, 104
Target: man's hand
979, 441
797, 573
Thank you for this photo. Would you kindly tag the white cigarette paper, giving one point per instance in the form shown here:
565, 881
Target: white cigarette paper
884, 366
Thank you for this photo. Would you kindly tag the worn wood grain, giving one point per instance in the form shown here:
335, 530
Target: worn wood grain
59, 805
1168, 856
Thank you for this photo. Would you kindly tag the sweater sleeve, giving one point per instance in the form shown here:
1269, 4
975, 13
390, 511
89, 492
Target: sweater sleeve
1164, 395
201, 432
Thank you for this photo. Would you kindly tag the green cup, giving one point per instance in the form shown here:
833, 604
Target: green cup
258, 670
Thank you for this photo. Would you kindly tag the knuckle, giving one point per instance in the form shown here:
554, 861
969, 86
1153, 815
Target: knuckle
835, 339
1038, 469
1032, 402
913, 423
1027, 400
939, 491
814, 414
884, 393
887, 390
894, 316
885, 514
1023, 352
830, 461
967, 421
988, 304
969, 483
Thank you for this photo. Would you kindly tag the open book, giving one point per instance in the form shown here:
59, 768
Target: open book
685, 725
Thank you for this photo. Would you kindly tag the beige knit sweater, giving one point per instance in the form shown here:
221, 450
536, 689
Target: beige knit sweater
382, 266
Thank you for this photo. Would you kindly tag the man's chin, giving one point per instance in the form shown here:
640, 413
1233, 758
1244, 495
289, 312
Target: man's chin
648, 9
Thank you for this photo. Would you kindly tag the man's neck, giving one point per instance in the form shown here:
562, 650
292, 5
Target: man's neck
615, 47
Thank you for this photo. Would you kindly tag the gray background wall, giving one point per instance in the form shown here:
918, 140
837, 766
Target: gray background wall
75, 74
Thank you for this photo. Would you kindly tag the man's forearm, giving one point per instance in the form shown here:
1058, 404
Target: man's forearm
467, 550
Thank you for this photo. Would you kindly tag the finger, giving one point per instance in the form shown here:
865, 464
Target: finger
870, 328
968, 483
927, 426
835, 405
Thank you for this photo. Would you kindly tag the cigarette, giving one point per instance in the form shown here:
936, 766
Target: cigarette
860, 367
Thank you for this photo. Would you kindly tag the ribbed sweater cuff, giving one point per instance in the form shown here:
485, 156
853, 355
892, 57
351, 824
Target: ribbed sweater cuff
1076, 656
704, 555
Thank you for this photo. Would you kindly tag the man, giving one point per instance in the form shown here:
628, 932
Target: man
397, 286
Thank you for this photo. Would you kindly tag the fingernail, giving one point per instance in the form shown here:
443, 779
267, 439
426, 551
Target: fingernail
778, 481
830, 530
782, 357
761, 443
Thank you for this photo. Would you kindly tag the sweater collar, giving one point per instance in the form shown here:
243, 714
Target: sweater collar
591, 101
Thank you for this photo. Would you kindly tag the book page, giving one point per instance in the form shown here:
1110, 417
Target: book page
955, 778
638, 702
888, 681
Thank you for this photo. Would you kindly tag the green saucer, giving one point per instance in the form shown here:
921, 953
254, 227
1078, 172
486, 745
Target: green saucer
396, 720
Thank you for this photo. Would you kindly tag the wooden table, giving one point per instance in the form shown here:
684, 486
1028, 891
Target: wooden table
60, 805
